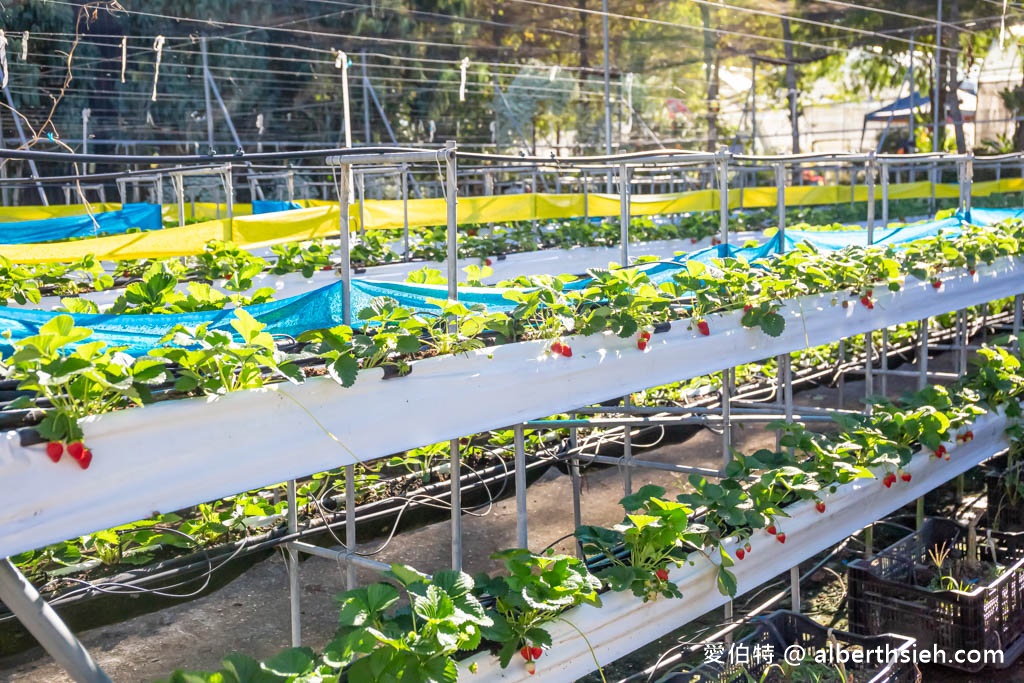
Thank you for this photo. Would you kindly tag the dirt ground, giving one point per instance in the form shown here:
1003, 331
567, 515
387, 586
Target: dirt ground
251, 614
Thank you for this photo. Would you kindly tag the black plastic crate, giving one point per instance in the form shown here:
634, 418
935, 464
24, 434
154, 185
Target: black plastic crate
884, 595
782, 629
1005, 512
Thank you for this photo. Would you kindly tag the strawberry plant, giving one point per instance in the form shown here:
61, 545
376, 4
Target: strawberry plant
654, 534
535, 590
228, 262
74, 378
211, 362
303, 257
379, 642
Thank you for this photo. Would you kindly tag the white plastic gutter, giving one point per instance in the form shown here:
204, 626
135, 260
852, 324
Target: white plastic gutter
175, 454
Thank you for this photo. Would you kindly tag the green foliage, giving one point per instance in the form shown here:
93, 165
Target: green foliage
534, 592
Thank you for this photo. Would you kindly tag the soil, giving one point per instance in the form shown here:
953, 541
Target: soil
251, 614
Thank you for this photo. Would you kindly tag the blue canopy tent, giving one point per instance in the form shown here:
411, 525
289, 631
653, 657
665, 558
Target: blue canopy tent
899, 111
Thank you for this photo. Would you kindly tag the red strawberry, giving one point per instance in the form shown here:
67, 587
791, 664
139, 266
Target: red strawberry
940, 451
471, 232
740, 553
531, 668
906, 476
820, 506
866, 301
645, 335
702, 326
871, 306
566, 351
464, 441
693, 240
487, 261
781, 538
75, 449
869, 292
968, 436
327, 268
973, 271
85, 459
641, 344
771, 529
556, 347
936, 283
536, 652
662, 574
889, 480
54, 450
525, 652
748, 308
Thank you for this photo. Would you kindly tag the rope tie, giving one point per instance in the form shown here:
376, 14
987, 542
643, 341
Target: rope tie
158, 45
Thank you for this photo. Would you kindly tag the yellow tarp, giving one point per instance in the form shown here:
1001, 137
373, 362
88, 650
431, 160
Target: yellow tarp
321, 218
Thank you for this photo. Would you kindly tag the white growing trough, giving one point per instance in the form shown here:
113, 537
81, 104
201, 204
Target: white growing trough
147, 459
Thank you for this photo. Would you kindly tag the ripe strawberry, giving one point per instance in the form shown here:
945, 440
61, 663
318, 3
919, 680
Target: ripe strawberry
325, 268
781, 538
820, 506
906, 476
869, 292
645, 335
889, 480
968, 435
556, 348
525, 652
54, 450
641, 344
866, 301
75, 449
536, 652
464, 441
740, 553
693, 240
940, 451
487, 261
973, 271
566, 351
702, 326
771, 529
936, 283
531, 668
662, 574
85, 459
748, 308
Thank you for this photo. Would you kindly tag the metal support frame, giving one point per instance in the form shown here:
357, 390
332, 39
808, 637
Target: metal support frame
624, 213
780, 189
723, 196
46, 626
522, 531
869, 176
58, 640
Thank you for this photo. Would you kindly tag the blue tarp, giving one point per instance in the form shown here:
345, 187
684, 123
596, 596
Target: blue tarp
322, 308
143, 216
267, 206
